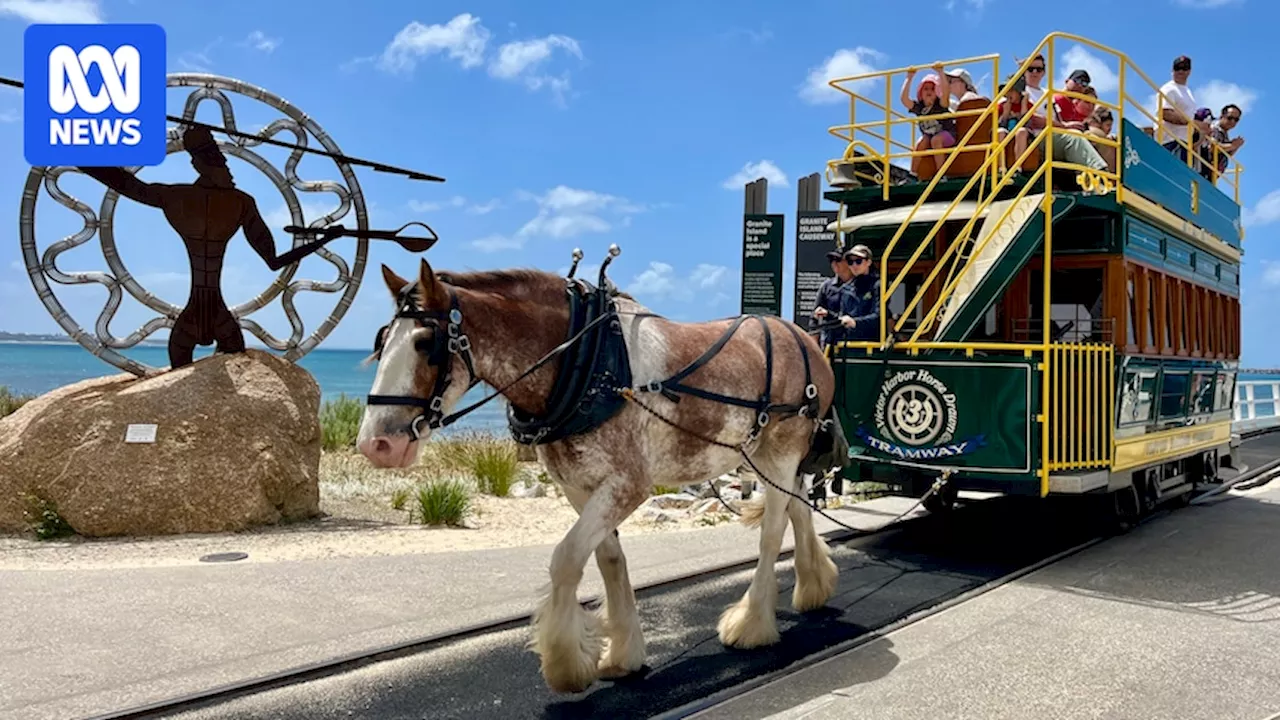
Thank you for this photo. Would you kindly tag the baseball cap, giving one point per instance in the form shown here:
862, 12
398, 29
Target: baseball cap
1182, 62
860, 251
1081, 77
964, 76
1204, 113
835, 255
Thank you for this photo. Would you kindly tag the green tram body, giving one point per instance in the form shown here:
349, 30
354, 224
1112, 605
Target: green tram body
1145, 292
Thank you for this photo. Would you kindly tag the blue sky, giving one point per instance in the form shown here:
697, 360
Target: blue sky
579, 124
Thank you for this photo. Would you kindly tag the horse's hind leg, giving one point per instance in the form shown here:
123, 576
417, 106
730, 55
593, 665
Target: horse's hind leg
816, 574
751, 622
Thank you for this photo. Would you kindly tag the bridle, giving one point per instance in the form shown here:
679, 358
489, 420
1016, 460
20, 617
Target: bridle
439, 354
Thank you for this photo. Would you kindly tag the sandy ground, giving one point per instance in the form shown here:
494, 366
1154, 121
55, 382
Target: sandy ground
358, 520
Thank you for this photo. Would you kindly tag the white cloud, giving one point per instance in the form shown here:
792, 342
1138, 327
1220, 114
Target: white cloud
843, 63
259, 41
463, 39
485, 208
516, 58
1265, 212
1102, 77
660, 281
425, 207
497, 243
53, 11
566, 212
755, 170
1217, 93
1271, 273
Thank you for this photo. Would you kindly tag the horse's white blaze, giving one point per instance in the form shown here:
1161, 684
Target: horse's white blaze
395, 373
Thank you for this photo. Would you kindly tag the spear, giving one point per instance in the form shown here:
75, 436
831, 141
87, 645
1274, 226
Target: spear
377, 166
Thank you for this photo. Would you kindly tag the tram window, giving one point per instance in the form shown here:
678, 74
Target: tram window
1137, 395
1151, 308
1173, 395
1166, 327
1075, 306
1202, 393
904, 294
1226, 386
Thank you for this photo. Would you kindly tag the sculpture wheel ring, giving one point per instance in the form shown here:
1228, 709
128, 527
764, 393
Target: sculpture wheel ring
43, 267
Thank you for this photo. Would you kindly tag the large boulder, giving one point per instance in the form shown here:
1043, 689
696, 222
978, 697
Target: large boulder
237, 444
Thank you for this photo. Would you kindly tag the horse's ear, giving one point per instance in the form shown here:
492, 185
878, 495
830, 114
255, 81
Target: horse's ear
395, 283
433, 291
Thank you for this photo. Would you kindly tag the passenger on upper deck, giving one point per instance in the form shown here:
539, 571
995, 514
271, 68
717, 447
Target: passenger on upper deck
936, 134
1176, 118
961, 86
1013, 106
860, 306
1219, 134
1100, 123
1074, 111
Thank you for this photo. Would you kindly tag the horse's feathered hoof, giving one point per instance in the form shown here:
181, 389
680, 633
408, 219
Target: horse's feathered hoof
741, 628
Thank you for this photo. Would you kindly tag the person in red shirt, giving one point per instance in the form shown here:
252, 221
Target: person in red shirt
1074, 112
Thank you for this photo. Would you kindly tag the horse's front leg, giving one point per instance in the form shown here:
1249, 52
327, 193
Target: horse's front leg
625, 652
566, 637
751, 622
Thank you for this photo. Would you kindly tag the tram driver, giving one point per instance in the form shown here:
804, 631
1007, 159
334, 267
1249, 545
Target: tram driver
828, 302
860, 297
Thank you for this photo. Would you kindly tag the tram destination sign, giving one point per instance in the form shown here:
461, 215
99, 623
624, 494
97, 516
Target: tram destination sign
762, 242
813, 242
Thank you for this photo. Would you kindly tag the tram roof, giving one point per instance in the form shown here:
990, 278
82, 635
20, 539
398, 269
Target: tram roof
928, 212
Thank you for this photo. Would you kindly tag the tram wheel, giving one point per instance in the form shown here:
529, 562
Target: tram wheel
1125, 509
944, 500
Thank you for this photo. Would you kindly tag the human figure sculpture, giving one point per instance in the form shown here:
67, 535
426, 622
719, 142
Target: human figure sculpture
207, 214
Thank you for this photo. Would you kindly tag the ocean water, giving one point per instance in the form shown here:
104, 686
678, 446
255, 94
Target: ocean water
40, 367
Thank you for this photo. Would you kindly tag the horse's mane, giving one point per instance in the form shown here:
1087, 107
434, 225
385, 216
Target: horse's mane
514, 283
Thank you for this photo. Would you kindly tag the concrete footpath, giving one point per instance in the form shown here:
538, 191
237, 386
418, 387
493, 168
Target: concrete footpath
1178, 619
84, 642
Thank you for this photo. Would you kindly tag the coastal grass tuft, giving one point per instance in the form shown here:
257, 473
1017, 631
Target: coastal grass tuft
11, 401
441, 502
340, 422
41, 515
493, 462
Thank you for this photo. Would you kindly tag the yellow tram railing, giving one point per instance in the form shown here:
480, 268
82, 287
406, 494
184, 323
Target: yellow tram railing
1090, 443
1080, 405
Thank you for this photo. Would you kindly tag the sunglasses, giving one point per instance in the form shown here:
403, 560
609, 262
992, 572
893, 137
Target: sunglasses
855, 260
1231, 117
1035, 68
1181, 68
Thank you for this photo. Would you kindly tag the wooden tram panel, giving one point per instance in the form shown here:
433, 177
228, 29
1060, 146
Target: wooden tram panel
1135, 394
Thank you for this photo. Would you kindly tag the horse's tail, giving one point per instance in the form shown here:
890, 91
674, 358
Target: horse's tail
751, 514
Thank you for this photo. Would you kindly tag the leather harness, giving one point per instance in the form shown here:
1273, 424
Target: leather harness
594, 380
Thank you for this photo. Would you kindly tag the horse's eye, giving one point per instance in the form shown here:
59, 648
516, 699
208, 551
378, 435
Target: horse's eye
425, 343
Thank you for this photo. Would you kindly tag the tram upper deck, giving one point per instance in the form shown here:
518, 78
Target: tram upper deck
962, 237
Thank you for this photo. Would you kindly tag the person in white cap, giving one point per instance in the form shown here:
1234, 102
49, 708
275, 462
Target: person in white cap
962, 87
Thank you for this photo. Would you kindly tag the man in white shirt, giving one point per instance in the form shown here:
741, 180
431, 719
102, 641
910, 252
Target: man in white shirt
1177, 116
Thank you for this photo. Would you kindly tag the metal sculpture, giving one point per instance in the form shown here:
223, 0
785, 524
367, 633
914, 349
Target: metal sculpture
206, 319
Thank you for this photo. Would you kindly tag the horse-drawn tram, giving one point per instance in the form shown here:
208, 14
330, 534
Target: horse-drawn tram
1111, 373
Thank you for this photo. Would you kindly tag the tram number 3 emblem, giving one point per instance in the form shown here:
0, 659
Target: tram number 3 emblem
916, 417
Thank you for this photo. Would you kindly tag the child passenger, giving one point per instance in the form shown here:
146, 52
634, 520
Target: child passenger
1013, 106
932, 98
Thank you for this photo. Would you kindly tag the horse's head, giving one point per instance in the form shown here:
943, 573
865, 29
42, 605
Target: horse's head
424, 368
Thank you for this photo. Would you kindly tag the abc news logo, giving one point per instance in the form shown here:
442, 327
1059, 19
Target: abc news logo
69, 89
95, 95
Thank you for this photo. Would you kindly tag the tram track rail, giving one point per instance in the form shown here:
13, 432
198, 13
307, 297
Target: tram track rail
348, 663
360, 658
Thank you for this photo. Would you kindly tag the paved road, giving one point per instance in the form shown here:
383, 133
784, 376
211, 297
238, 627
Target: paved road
883, 578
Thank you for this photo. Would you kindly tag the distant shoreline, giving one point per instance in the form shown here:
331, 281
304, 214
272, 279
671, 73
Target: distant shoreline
162, 346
